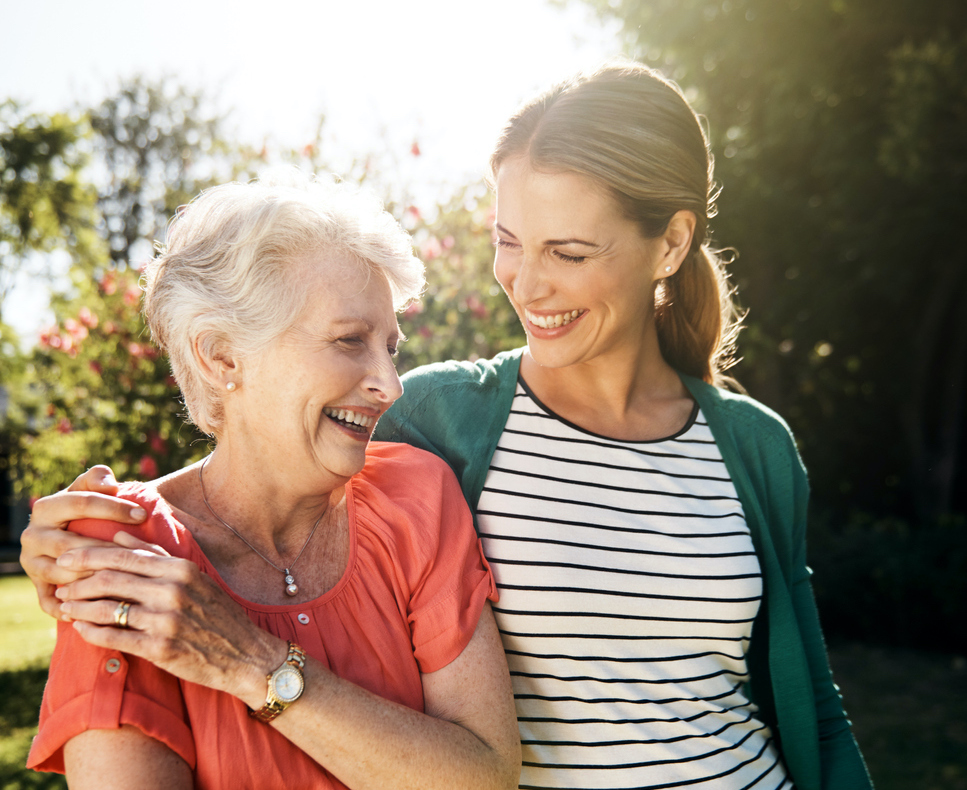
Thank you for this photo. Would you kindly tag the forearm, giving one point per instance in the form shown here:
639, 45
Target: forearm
370, 742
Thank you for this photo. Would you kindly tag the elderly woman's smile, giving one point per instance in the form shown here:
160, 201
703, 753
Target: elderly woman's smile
313, 397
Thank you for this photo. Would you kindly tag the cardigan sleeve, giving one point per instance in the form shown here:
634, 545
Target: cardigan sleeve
764, 463
841, 762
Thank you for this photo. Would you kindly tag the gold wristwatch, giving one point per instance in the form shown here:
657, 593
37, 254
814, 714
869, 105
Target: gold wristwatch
286, 685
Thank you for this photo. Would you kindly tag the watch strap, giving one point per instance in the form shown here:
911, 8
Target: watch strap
274, 706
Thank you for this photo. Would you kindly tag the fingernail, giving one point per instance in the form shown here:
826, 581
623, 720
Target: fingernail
61, 593
65, 610
138, 513
66, 560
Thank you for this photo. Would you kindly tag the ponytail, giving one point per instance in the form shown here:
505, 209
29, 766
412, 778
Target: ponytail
696, 318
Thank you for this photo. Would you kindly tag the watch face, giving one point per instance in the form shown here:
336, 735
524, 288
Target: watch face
288, 684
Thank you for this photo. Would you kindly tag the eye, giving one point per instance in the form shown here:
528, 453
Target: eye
350, 340
393, 350
505, 244
570, 258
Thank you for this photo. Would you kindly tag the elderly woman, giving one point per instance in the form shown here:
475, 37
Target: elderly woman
323, 620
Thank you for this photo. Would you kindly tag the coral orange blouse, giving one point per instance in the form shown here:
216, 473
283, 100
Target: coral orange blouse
407, 604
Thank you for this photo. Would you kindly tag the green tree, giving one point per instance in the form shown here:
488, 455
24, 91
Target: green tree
839, 129
97, 389
463, 314
44, 201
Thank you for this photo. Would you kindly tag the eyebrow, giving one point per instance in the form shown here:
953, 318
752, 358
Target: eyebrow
551, 242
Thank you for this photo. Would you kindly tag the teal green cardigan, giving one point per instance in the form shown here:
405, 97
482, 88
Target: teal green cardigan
458, 410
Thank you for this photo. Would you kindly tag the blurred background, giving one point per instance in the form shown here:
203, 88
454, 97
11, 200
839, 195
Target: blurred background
839, 129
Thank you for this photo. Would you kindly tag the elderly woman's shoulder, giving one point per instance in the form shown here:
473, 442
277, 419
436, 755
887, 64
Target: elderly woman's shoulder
397, 465
159, 527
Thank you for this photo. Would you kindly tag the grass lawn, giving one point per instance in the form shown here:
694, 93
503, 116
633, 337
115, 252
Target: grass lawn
28, 634
26, 642
909, 713
909, 708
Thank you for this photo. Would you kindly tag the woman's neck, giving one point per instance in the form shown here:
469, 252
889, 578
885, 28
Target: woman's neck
267, 504
272, 524
630, 396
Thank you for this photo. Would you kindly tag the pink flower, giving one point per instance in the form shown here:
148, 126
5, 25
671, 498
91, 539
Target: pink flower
96, 367
108, 285
87, 318
415, 148
425, 332
413, 213
148, 467
475, 306
308, 150
159, 445
76, 329
414, 308
135, 349
64, 426
448, 242
431, 248
132, 295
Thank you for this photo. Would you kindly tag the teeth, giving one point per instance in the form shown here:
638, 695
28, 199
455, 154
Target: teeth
552, 321
345, 415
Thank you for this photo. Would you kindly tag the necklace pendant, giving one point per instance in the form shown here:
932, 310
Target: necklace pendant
291, 588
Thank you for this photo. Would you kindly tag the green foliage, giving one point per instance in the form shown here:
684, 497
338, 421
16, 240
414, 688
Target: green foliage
101, 393
840, 135
96, 390
160, 145
904, 584
44, 204
464, 314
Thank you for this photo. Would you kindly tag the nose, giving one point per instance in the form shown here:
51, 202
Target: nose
523, 277
384, 382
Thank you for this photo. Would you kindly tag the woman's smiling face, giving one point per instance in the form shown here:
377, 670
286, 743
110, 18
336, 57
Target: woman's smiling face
579, 273
312, 398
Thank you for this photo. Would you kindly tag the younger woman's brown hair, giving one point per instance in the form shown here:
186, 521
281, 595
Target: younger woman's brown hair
631, 129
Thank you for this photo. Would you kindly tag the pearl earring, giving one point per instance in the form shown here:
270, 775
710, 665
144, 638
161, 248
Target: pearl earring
230, 386
668, 268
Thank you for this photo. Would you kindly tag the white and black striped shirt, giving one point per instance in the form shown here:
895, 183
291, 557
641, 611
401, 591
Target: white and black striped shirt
628, 587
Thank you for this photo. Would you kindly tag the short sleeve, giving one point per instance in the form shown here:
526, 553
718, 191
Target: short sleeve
448, 578
445, 608
91, 688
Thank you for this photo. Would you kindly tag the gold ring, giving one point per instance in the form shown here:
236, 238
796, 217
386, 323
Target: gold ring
121, 614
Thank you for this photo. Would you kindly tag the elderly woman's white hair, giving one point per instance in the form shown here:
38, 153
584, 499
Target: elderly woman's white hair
232, 273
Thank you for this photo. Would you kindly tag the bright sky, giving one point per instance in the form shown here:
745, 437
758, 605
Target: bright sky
444, 72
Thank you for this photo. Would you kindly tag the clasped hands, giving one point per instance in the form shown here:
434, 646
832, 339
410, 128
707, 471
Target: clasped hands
179, 619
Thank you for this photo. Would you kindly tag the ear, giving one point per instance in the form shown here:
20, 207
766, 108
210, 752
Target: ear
217, 362
675, 244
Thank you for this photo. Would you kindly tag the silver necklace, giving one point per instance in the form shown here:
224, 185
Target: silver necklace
291, 588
